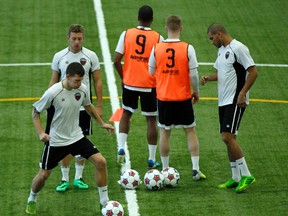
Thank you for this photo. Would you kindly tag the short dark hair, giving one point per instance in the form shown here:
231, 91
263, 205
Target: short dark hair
173, 23
76, 28
145, 13
216, 27
75, 68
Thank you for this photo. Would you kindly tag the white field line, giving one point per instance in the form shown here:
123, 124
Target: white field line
131, 196
103, 63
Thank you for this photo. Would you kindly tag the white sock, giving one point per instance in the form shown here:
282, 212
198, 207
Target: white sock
165, 162
152, 152
195, 163
122, 140
236, 175
78, 170
32, 196
103, 194
65, 173
243, 167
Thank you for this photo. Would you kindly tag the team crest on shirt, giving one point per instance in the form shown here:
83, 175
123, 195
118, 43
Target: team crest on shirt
227, 54
83, 61
77, 96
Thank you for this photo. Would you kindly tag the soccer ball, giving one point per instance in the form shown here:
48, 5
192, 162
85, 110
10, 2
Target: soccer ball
130, 179
153, 180
171, 177
112, 208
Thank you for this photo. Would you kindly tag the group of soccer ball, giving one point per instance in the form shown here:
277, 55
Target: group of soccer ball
154, 180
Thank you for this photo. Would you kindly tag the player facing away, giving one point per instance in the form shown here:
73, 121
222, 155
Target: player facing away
174, 64
135, 45
236, 73
89, 60
65, 135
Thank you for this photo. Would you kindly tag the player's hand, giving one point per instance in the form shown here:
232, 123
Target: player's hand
44, 137
204, 80
241, 100
109, 128
195, 97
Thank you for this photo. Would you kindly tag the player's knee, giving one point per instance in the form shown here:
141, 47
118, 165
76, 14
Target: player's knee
226, 138
101, 162
44, 174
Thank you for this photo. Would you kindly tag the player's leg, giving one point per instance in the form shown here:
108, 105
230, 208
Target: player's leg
230, 118
50, 158
86, 125
186, 119
164, 145
152, 136
65, 168
101, 178
78, 179
149, 110
193, 147
37, 184
130, 105
89, 151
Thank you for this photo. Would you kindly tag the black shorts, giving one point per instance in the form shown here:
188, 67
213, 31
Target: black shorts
178, 114
52, 155
230, 117
148, 101
84, 121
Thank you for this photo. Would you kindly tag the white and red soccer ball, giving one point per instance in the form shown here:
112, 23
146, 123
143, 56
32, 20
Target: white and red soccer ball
153, 180
112, 208
171, 177
130, 179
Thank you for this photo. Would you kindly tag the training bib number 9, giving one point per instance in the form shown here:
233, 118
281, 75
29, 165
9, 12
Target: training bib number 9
141, 41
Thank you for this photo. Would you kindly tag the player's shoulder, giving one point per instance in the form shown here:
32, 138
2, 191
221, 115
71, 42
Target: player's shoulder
87, 52
56, 88
236, 45
83, 87
62, 52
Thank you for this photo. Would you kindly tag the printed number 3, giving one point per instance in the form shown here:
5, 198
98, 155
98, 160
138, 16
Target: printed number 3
171, 58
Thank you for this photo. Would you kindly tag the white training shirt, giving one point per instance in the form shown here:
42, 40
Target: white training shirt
86, 57
120, 49
65, 128
231, 79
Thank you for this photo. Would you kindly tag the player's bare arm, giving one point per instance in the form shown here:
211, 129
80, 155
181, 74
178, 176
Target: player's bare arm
211, 77
98, 90
37, 123
252, 75
93, 113
55, 78
117, 63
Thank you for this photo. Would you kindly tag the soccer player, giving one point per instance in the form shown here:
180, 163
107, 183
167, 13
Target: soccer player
65, 135
135, 45
89, 60
174, 64
235, 72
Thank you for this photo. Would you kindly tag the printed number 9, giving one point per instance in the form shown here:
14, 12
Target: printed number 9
141, 41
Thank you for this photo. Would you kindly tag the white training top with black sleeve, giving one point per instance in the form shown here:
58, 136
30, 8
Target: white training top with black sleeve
65, 128
88, 59
231, 64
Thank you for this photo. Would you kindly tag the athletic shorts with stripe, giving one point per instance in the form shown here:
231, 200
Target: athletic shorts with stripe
230, 117
148, 101
178, 114
52, 155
